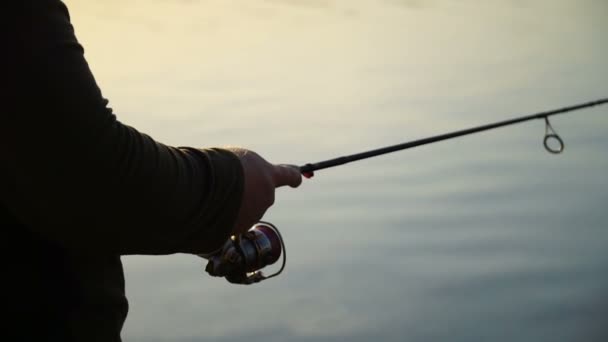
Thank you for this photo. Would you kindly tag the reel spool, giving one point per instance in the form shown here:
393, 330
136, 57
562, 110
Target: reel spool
242, 257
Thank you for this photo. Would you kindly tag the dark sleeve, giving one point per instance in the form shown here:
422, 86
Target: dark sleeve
76, 176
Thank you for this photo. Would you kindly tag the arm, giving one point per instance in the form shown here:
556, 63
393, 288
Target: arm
76, 176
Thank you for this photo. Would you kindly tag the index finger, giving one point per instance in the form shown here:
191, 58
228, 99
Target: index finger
287, 175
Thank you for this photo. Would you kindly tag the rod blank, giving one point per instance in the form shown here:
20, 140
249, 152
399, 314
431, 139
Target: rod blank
308, 169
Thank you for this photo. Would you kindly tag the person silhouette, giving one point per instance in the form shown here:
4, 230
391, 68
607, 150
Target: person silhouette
79, 189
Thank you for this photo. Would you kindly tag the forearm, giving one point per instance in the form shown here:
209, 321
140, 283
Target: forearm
77, 176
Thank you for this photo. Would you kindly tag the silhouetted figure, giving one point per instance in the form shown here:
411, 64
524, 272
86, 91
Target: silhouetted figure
78, 189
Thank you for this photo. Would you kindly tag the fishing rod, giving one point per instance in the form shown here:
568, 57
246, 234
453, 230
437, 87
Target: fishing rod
308, 169
242, 257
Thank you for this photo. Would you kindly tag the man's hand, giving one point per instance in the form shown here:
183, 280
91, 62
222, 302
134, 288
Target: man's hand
261, 178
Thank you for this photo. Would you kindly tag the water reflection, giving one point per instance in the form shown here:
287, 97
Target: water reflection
482, 238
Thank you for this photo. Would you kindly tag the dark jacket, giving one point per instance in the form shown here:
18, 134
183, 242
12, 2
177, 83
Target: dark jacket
79, 189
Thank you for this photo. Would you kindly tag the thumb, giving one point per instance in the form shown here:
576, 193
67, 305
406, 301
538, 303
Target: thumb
287, 175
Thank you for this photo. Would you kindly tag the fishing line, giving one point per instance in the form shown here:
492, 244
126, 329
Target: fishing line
550, 136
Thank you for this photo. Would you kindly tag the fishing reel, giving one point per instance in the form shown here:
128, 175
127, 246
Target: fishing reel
242, 257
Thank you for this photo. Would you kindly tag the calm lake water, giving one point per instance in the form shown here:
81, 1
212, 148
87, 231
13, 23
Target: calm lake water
483, 238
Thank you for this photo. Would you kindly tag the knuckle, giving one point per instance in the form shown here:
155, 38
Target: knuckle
269, 197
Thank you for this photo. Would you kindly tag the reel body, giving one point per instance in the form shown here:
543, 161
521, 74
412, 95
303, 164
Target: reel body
242, 257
